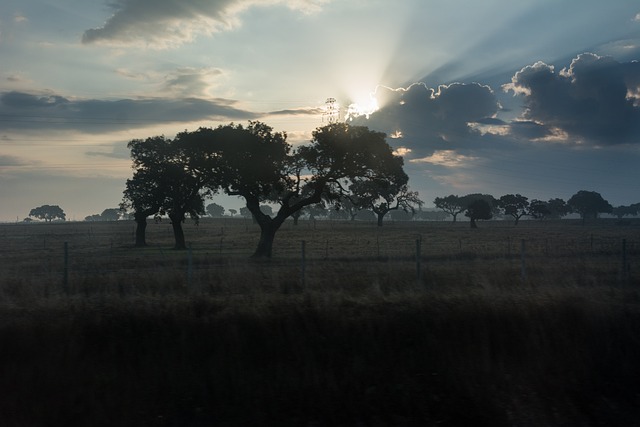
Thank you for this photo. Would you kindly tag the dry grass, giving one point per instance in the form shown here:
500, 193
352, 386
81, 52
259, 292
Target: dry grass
135, 340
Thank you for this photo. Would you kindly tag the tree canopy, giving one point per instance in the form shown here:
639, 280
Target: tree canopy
589, 204
48, 213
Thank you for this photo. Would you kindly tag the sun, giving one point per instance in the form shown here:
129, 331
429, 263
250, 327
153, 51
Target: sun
362, 106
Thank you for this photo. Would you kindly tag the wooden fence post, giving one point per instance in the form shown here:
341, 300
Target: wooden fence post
303, 265
418, 260
189, 268
523, 265
65, 279
625, 265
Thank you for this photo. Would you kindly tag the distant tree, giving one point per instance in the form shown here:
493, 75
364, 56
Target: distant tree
385, 194
315, 211
589, 204
622, 211
453, 205
246, 213
429, 215
110, 214
348, 206
514, 205
478, 209
491, 201
233, 212
93, 218
558, 208
214, 210
27, 220
539, 209
48, 213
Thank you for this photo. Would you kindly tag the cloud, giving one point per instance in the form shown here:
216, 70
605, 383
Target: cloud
23, 110
448, 158
168, 23
426, 119
114, 151
303, 111
6, 160
190, 81
594, 101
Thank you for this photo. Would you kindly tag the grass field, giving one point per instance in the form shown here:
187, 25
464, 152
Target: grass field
359, 333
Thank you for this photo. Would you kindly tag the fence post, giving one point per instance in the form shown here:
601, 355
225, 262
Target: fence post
418, 259
65, 279
523, 266
189, 267
303, 265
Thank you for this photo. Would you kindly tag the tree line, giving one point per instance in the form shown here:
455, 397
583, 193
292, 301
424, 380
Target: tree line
588, 204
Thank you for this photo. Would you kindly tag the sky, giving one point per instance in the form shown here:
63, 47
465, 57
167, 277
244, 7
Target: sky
536, 97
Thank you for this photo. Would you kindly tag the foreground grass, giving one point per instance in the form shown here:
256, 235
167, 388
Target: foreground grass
526, 358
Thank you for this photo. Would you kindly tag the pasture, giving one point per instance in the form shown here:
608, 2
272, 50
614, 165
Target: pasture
414, 323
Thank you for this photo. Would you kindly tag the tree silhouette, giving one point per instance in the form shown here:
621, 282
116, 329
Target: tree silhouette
385, 194
258, 164
558, 208
453, 205
214, 210
589, 204
539, 209
169, 177
514, 205
48, 213
478, 209
622, 211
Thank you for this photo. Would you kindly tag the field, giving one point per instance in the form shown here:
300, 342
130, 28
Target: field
414, 323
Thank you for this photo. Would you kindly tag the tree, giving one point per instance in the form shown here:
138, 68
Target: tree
260, 166
169, 178
622, 211
478, 209
589, 204
385, 194
214, 210
453, 205
48, 213
110, 214
558, 208
539, 209
245, 213
514, 205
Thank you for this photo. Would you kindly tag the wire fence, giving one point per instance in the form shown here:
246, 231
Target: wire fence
84, 258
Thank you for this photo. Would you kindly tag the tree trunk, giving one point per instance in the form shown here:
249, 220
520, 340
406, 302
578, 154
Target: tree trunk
473, 223
517, 220
454, 217
267, 235
141, 228
178, 233
380, 216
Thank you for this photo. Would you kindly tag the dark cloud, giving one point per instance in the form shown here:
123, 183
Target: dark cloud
594, 101
165, 23
431, 119
21, 110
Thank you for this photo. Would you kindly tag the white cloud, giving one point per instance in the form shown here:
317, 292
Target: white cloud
448, 158
170, 23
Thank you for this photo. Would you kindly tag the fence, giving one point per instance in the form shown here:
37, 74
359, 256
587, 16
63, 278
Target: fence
87, 259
